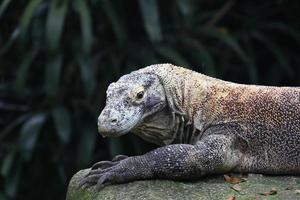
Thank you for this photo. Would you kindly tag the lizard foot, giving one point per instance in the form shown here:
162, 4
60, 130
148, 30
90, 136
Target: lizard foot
107, 172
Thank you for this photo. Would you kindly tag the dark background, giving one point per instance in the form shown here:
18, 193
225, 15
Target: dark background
57, 58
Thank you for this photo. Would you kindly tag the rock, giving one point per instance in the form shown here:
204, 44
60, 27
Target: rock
255, 187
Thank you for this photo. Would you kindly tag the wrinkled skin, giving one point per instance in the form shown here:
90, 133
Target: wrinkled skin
129, 102
205, 125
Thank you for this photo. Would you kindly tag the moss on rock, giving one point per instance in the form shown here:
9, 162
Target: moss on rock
287, 187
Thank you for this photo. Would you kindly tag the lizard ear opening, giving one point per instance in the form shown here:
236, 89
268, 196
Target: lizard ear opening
170, 94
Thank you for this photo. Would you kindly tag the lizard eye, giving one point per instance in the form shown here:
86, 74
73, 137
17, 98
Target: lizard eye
140, 95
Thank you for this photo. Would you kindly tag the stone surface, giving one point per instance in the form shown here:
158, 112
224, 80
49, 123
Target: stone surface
287, 187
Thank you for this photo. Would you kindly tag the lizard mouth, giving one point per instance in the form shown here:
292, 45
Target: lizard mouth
113, 133
116, 133
126, 125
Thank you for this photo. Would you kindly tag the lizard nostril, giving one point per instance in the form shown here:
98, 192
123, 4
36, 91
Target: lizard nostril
113, 121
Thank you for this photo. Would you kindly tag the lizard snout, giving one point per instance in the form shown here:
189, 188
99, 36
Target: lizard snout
108, 123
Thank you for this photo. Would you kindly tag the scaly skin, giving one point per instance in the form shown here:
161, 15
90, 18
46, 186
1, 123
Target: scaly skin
208, 126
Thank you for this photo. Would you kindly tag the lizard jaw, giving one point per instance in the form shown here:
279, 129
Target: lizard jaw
112, 133
116, 133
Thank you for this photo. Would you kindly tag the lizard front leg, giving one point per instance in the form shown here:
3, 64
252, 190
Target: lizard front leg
214, 154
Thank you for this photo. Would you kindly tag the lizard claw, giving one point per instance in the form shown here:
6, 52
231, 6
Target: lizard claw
103, 164
100, 178
89, 180
103, 181
119, 171
98, 171
107, 164
93, 172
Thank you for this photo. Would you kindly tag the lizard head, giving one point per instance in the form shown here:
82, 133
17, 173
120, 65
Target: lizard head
129, 101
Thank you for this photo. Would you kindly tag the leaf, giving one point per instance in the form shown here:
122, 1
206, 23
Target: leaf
200, 53
172, 55
252, 67
139, 54
55, 23
22, 71
81, 7
62, 122
87, 142
226, 38
284, 28
2, 196
118, 27
3, 6
236, 188
273, 191
13, 125
27, 16
276, 50
11, 183
233, 180
87, 76
185, 7
150, 14
7, 163
29, 134
5, 47
52, 75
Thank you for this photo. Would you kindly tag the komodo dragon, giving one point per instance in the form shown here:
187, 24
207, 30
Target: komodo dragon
205, 125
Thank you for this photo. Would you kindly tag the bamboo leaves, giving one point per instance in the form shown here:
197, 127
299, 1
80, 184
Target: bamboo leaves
86, 143
276, 51
55, 23
3, 6
81, 7
27, 16
62, 122
87, 76
29, 134
150, 14
58, 56
52, 75
23, 70
115, 21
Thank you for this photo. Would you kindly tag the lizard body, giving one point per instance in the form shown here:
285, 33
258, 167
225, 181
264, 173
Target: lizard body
205, 125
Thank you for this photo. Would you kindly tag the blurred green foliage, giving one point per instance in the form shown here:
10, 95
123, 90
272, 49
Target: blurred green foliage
58, 56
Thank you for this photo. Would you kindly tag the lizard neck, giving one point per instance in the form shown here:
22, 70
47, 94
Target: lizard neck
185, 89
186, 93
190, 90
157, 128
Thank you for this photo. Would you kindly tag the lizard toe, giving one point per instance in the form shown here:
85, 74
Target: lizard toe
103, 181
89, 180
103, 164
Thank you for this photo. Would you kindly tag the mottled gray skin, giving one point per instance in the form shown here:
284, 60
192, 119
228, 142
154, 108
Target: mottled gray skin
205, 125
